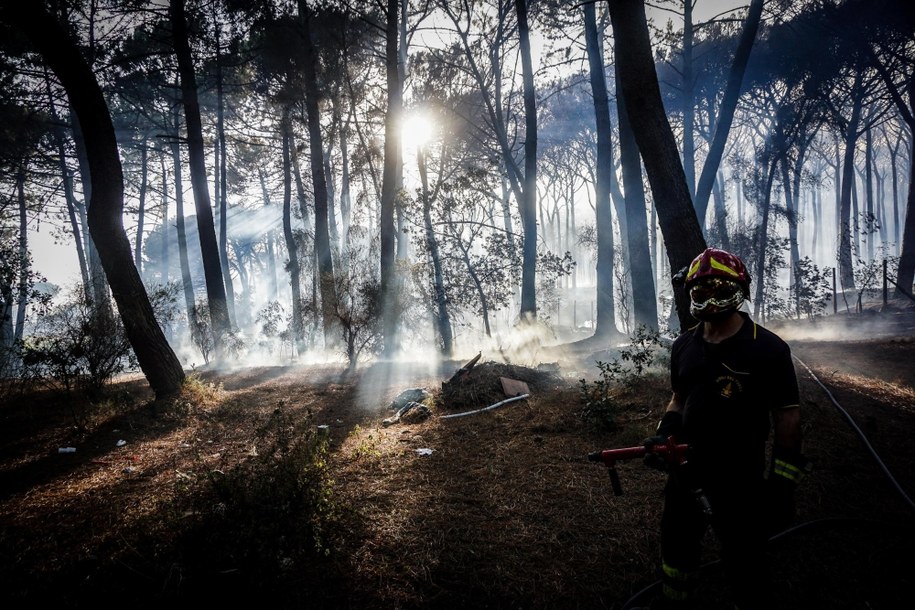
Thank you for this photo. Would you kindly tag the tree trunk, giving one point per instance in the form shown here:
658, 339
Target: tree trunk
442, 319
292, 266
141, 214
644, 298
721, 219
529, 201
638, 82
906, 273
209, 248
69, 197
323, 253
689, 104
728, 106
271, 250
156, 358
763, 242
187, 283
391, 181
22, 299
164, 249
99, 285
222, 191
846, 266
605, 323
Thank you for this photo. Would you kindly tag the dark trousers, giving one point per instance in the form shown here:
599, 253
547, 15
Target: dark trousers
739, 524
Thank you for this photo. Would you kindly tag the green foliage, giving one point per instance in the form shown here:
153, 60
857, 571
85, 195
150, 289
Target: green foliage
812, 288
77, 346
598, 396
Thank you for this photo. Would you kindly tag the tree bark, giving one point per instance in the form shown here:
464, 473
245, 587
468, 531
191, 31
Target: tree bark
846, 266
605, 310
209, 247
292, 266
529, 200
638, 83
442, 319
141, 215
222, 191
906, 273
644, 298
323, 252
156, 358
391, 181
728, 106
187, 283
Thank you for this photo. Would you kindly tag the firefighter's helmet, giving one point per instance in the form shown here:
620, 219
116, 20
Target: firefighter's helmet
718, 282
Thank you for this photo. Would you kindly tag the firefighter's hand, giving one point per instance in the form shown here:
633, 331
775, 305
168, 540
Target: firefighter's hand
779, 504
652, 459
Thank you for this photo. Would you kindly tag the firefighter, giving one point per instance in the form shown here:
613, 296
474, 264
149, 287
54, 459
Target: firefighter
733, 381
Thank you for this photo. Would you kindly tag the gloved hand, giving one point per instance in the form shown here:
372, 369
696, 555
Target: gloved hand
670, 425
788, 469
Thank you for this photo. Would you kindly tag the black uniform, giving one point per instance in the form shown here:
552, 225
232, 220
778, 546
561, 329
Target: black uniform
727, 391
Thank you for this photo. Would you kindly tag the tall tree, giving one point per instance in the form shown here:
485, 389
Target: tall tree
209, 247
528, 203
319, 181
605, 324
638, 83
728, 107
392, 178
156, 358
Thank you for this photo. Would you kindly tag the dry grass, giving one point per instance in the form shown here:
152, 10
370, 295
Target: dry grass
506, 512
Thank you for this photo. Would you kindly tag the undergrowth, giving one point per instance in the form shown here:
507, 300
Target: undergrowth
599, 397
266, 517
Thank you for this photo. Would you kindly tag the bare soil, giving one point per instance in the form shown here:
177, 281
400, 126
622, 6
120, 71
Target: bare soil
504, 512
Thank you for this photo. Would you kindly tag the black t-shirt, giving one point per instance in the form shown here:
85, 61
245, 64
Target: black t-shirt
728, 390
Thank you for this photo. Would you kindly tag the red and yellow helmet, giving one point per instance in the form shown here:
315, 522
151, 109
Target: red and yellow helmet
717, 282
713, 262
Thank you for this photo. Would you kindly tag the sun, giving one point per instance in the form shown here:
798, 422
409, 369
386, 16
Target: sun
418, 130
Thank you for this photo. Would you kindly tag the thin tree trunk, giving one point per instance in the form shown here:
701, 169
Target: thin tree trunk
141, 215
187, 282
728, 106
322, 220
391, 182
529, 201
22, 300
222, 195
271, 250
164, 251
69, 197
846, 268
644, 298
293, 265
209, 247
442, 319
689, 104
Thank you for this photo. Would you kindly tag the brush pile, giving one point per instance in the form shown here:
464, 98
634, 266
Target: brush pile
481, 385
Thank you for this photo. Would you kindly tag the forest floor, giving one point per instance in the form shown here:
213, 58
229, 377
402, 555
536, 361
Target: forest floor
188, 504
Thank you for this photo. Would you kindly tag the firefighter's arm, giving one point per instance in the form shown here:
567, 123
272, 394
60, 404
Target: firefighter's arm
787, 461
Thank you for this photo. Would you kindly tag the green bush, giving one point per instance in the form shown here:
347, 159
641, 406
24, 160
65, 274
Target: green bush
599, 404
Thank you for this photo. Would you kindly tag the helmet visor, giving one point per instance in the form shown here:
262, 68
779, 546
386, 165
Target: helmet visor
713, 295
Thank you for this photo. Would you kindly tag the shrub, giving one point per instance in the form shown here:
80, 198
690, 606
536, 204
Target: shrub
644, 349
77, 346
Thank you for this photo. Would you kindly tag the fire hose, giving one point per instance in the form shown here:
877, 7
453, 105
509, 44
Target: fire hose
676, 454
